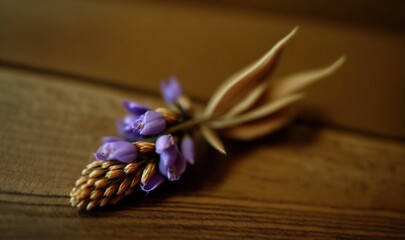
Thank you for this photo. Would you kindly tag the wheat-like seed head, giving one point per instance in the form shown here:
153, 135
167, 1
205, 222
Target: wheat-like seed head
144, 147
148, 172
105, 183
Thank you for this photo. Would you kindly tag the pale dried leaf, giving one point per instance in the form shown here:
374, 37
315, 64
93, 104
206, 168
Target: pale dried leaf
212, 138
248, 101
260, 127
265, 110
233, 89
298, 81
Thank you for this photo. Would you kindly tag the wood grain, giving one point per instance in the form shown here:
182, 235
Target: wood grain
304, 182
138, 43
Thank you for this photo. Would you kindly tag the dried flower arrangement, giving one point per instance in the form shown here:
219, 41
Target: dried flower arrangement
157, 145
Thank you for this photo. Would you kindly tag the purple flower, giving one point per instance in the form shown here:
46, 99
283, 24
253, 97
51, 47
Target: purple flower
135, 108
119, 150
125, 128
172, 163
171, 89
166, 147
187, 148
153, 183
149, 124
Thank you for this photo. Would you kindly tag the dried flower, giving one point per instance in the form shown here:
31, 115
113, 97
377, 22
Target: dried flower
246, 106
126, 130
171, 89
187, 148
104, 183
117, 150
149, 124
172, 163
135, 108
157, 144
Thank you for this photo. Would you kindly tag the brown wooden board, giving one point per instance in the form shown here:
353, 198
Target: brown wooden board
304, 182
138, 43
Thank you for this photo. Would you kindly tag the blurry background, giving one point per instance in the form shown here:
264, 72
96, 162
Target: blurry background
137, 44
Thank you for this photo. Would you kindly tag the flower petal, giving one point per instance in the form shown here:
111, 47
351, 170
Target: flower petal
187, 148
125, 128
168, 158
181, 164
153, 182
100, 156
134, 107
119, 150
164, 142
171, 89
154, 127
175, 171
151, 116
153, 123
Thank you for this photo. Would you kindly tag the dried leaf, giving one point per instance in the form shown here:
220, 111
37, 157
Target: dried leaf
260, 127
237, 86
298, 81
265, 110
212, 138
248, 102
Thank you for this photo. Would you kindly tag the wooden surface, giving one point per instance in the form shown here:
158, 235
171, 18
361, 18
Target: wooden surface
139, 43
304, 182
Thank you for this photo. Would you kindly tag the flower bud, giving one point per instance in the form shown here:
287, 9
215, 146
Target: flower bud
167, 149
125, 128
150, 123
135, 108
172, 163
119, 150
171, 89
187, 148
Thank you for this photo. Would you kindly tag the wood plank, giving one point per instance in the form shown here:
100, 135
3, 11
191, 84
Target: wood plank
305, 182
386, 15
138, 43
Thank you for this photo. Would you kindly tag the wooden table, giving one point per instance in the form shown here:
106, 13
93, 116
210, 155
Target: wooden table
304, 182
